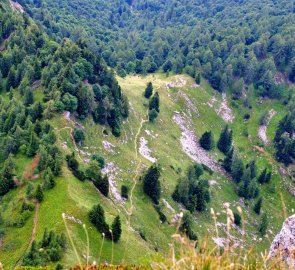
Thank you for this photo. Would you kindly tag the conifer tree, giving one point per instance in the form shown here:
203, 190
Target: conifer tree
257, 206
261, 178
116, 229
39, 194
237, 168
227, 162
151, 183
237, 218
198, 78
155, 102
263, 225
153, 114
33, 144
225, 140
6, 175
186, 226
97, 218
207, 141
149, 90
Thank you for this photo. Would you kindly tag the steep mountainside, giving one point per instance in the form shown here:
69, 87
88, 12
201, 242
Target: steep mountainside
83, 150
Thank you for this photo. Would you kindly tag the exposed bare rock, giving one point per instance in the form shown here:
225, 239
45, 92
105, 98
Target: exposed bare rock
191, 146
145, 151
263, 128
178, 83
108, 147
222, 109
190, 106
67, 115
168, 206
284, 243
16, 6
111, 170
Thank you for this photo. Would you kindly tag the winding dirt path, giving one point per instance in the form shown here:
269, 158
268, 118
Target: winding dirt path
35, 224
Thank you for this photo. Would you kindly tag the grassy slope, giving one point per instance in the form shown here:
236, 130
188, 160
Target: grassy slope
76, 198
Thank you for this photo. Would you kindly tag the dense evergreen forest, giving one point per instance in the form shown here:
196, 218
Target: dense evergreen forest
231, 43
66, 69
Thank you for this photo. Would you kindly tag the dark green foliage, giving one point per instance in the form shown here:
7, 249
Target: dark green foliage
149, 90
39, 194
27, 207
33, 145
103, 185
6, 176
93, 173
212, 51
284, 139
72, 162
100, 160
153, 114
162, 216
248, 187
227, 162
192, 191
257, 206
207, 141
198, 78
237, 168
125, 192
263, 224
59, 267
225, 140
151, 183
155, 102
48, 179
237, 218
261, 178
97, 218
116, 229
50, 249
79, 135
186, 226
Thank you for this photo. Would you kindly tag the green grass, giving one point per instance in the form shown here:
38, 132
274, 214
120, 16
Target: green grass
76, 198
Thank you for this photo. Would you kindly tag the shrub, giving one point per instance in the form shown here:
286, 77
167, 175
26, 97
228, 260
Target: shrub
237, 218
124, 192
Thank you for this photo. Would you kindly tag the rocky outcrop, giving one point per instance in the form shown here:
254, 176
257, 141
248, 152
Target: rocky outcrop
283, 246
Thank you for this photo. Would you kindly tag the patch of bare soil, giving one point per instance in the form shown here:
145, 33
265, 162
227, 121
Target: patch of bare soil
262, 130
190, 144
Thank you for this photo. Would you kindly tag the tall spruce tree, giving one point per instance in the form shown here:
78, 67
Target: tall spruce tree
149, 90
116, 229
151, 183
155, 102
237, 168
39, 194
97, 218
207, 141
228, 160
257, 206
225, 140
261, 178
263, 224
